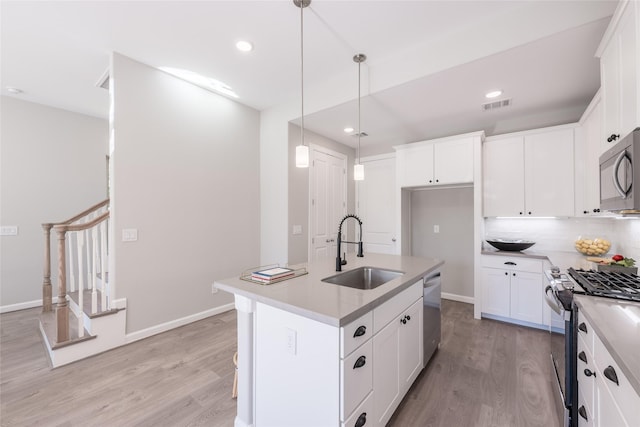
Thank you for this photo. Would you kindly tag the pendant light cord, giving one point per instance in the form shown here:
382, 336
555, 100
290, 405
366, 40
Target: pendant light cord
359, 129
302, 69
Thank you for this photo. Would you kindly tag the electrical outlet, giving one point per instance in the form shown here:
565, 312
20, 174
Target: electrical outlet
9, 230
214, 290
291, 341
436, 228
129, 234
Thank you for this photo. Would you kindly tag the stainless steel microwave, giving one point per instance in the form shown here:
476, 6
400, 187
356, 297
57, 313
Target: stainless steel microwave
619, 165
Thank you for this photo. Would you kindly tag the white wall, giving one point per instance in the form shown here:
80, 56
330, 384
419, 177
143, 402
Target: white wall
53, 166
185, 166
452, 210
298, 245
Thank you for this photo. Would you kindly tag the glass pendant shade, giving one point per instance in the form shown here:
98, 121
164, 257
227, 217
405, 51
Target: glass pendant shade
302, 156
358, 172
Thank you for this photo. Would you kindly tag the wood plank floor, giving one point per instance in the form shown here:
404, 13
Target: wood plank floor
486, 373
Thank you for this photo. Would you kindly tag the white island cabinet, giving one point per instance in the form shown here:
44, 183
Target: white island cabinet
312, 353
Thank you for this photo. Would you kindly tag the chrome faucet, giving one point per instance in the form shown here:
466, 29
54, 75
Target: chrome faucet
339, 261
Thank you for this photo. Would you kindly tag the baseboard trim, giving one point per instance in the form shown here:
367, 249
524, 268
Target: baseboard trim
459, 298
167, 326
24, 305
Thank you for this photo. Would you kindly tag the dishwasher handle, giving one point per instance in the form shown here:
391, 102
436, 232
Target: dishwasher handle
431, 280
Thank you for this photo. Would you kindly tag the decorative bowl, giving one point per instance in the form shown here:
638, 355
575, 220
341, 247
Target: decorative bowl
511, 245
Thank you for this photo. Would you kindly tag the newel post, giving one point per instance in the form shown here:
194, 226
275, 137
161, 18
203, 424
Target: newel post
46, 281
62, 308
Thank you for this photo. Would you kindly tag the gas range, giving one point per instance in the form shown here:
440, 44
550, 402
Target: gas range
607, 284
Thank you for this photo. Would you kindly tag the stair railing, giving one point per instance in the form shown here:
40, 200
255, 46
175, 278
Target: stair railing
86, 253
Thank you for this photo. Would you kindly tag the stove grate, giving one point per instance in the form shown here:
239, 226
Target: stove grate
608, 284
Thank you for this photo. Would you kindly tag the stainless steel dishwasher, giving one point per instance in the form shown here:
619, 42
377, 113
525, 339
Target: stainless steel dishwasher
432, 288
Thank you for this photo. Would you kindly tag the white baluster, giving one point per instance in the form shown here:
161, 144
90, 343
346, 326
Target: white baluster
71, 273
80, 237
94, 273
103, 263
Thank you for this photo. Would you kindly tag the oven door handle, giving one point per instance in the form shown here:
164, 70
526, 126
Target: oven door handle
552, 300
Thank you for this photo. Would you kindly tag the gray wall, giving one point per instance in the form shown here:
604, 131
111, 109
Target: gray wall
53, 166
185, 171
299, 191
452, 210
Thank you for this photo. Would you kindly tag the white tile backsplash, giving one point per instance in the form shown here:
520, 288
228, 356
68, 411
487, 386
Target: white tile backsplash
559, 234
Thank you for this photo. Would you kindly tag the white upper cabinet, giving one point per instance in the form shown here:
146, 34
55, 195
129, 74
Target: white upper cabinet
619, 68
437, 162
529, 174
588, 148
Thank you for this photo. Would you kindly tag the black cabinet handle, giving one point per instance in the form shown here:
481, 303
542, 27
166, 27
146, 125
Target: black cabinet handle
582, 357
582, 327
613, 137
588, 372
585, 212
529, 212
520, 213
362, 420
403, 320
430, 181
360, 331
583, 413
514, 274
610, 374
510, 263
437, 180
506, 274
360, 362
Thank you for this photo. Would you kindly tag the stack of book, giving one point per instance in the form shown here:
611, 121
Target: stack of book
272, 275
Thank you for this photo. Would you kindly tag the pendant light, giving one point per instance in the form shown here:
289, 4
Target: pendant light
358, 168
302, 150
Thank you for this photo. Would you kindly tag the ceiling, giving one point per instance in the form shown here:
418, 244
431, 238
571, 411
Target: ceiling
429, 62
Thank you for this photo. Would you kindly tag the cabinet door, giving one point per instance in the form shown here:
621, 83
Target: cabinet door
607, 412
453, 161
495, 292
587, 162
386, 372
548, 173
376, 204
503, 165
609, 75
629, 99
526, 296
411, 348
415, 166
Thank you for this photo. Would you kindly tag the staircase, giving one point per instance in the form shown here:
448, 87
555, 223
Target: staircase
86, 319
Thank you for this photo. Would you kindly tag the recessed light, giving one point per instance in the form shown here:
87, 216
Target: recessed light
348, 130
14, 90
493, 94
244, 46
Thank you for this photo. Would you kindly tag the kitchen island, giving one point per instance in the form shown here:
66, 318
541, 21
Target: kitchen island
309, 350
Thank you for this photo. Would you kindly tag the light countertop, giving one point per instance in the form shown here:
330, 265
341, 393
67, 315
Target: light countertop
617, 324
332, 304
561, 259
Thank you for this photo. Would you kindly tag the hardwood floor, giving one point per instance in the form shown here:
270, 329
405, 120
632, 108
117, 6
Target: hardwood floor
486, 373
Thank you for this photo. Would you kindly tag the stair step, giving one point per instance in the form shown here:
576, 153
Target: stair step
48, 328
86, 302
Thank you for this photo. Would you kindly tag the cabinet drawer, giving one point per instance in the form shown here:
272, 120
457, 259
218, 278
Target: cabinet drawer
356, 378
512, 263
623, 393
586, 382
355, 334
585, 331
585, 414
389, 310
363, 413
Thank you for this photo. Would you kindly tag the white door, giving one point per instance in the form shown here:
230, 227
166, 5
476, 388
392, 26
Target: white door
376, 205
328, 201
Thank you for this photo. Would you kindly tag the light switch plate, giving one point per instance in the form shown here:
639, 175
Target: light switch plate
291, 342
436, 228
9, 230
129, 234
297, 229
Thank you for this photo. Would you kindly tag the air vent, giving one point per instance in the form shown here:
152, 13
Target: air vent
103, 82
362, 134
496, 104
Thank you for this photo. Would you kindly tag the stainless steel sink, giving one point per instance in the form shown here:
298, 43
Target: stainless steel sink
363, 277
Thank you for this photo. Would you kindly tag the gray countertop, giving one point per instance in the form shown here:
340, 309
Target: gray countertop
335, 305
617, 324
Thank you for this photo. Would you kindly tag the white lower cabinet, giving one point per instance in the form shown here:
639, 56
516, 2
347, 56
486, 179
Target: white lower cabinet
605, 396
513, 288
